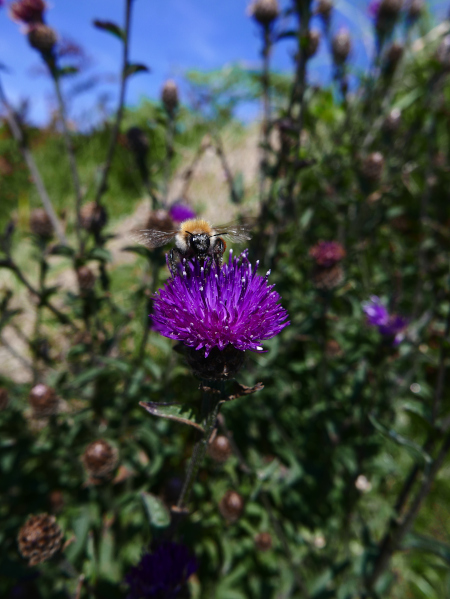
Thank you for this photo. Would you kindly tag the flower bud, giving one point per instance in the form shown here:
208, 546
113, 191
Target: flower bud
218, 366
264, 11
263, 541
160, 220
231, 506
42, 38
28, 11
4, 398
313, 42
100, 459
40, 223
389, 9
415, 10
323, 9
39, 538
341, 46
220, 449
169, 96
373, 166
93, 217
327, 253
86, 278
392, 121
393, 56
43, 400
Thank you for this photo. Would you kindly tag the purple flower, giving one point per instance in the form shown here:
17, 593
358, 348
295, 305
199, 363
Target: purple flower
161, 574
389, 325
206, 307
180, 212
327, 253
373, 8
28, 11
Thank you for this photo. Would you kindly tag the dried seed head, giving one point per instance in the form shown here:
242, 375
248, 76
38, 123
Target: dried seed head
218, 366
220, 449
389, 9
100, 459
263, 541
392, 121
43, 400
93, 217
264, 11
137, 141
231, 506
341, 46
328, 278
39, 538
86, 278
373, 166
28, 11
312, 42
160, 220
42, 38
324, 8
169, 96
415, 10
40, 223
4, 398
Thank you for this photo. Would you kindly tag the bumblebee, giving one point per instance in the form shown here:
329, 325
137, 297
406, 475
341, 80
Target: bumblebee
196, 238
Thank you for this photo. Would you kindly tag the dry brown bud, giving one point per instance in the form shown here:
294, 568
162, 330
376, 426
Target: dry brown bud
324, 8
393, 55
40, 223
39, 538
42, 38
341, 46
231, 506
93, 217
86, 278
312, 43
169, 96
415, 9
218, 366
389, 9
328, 278
28, 11
43, 400
263, 541
100, 459
4, 398
373, 166
160, 220
264, 11
220, 449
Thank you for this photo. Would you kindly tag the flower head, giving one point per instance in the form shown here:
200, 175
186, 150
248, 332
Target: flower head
207, 306
389, 325
180, 212
28, 11
327, 253
161, 574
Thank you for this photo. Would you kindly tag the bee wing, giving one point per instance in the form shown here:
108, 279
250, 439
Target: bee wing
236, 232
153, 238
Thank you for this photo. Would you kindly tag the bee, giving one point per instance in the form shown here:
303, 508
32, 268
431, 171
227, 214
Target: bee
196, 238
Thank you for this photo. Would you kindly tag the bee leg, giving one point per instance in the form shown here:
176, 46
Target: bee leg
172, 262
219, 250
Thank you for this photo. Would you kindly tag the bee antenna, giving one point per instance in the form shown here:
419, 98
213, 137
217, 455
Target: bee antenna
189, 233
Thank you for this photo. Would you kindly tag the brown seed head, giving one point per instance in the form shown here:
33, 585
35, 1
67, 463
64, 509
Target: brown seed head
389, 9
39, 538
4, 398
169, 96
40, 223
394, 55
86, 278
93, 217
312, 42
28, 11
264, 11
43, 400
263, 541
324, 8
328, 278
42, 37
100, 459
341, 46
231, 506
218, 366
415, 9
220, 449
160, 220
373, 166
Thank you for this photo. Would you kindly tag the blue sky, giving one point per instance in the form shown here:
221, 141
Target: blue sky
170, 36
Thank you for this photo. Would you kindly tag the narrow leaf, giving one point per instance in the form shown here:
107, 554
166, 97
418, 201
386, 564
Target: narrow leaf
172, 411
158, 514
411, 446
132, 69
110, 27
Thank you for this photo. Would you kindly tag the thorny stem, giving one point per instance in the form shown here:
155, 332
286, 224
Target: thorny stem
210, 411
115, 132
35, 174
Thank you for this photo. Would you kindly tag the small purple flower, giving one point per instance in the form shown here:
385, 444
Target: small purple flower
389, 325
207, 307
161, 574
180, 212
373, 8
28, 11
327, 253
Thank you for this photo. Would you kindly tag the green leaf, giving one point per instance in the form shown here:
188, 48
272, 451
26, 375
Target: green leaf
99, 254
81, 529
413, 448
428, 544
110, 27
88, 376
64, 71
172, 411
132, 69
138, 249
158, 514
62, 250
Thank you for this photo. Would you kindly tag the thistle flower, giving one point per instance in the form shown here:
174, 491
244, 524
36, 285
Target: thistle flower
162, 574
169, 96
327, 253
389, 325
179, 212
264, 11
208, 307
40, 223
43, 38
43, 400
263, 541
28, 11
231, 506
220, 449
93, 217
100, 460
341, 46
39, 538
323, 9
